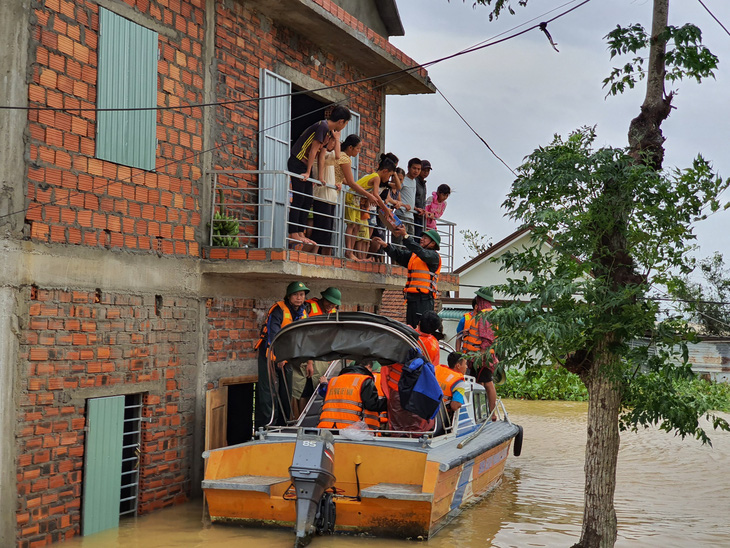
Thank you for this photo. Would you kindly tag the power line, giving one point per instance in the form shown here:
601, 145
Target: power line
195, 154
713, 16
399, 73
324, 88
475, 132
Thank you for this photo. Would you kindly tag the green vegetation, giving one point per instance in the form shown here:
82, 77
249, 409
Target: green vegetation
225, 226
548, 383
556, 383
708, 394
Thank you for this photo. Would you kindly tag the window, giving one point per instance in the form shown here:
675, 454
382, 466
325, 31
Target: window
353, 127
127, 78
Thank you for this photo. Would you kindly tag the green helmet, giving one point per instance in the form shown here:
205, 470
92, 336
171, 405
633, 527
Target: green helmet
333, 295
296, 286
485, 293
435, 237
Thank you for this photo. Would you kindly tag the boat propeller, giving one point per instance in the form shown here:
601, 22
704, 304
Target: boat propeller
312, 474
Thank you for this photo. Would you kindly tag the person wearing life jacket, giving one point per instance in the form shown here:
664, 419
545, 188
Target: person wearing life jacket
478, 340
429, 330
281, 314
350, 397
327, 303
430, 333
302, 386
383, 415
451, 380
462, 322
424, 266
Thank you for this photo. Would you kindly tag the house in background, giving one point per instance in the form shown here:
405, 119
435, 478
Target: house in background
117, 316
482, 270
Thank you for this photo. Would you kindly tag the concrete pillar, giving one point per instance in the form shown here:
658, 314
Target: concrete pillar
8, 364
14, 19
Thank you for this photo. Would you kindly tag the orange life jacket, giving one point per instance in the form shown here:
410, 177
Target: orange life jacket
431, 344
343, 403
447, 379
394, 372
383, 416
286, 320
420, 278
472, 341
315, 309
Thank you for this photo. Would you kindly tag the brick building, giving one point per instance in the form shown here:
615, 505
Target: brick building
117, 316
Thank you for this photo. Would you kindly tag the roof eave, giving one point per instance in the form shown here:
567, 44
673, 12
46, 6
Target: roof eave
357, 45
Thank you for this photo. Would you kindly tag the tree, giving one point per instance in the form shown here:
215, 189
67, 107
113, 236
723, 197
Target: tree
475, 243
629, 224
707, 304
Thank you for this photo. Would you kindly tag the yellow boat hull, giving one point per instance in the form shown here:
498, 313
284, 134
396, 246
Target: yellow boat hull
406, 490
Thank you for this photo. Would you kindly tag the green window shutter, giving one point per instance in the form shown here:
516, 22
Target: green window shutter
127, 78
103, 464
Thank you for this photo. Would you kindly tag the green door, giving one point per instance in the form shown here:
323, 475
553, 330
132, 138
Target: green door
103, 464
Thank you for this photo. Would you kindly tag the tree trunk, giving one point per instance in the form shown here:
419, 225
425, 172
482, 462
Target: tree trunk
599, 514
645, 134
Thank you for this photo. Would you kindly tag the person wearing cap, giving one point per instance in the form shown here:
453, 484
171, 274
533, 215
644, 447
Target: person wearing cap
328, 302
419, 211
424, 266
478, 340
302, 385
281, 314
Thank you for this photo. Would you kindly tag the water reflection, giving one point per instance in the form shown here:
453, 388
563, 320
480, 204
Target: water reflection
671, 493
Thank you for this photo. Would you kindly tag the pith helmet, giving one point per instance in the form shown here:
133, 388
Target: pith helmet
333, 295
296, 286
485, 293
434, 236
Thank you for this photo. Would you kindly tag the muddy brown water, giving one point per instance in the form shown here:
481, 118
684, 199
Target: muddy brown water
670, 493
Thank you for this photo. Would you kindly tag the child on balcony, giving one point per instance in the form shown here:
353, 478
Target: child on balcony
436, 205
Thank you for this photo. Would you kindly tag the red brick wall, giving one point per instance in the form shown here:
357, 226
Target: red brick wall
246, 42
233, 329
77, 340
234, 325
75, 198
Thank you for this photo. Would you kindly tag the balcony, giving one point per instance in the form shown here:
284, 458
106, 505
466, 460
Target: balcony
247, 237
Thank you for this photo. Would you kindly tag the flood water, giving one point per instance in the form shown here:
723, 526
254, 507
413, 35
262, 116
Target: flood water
670, 493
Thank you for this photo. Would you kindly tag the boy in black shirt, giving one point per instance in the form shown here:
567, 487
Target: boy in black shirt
302, 158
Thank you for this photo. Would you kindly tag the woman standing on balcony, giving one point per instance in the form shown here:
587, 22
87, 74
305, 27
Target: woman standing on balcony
325, 197
369, 188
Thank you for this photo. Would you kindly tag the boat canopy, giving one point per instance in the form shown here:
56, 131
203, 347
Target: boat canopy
351, 335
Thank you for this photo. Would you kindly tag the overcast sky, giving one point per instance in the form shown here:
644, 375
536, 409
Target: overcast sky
519, 93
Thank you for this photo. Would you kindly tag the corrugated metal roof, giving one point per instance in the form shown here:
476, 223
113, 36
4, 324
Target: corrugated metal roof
451, 314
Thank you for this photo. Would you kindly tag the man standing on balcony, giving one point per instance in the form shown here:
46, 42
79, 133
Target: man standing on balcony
424, 265
408, 194
419, 212
303, 155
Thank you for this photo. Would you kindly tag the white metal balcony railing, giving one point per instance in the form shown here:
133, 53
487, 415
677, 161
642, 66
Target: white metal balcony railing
250, 209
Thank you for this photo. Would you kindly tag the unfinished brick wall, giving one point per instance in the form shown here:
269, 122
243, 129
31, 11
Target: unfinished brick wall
233, 328
246, 42
73, 343
75, 198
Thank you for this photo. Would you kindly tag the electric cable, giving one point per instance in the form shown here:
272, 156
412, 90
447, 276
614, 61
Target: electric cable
713, 16
199, 153
400, 73
324, 88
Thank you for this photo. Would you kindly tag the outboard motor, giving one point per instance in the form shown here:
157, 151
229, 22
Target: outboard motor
312, 473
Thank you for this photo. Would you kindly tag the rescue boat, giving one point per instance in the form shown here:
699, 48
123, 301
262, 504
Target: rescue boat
318, 481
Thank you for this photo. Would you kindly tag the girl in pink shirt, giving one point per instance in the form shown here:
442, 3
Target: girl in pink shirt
436, 204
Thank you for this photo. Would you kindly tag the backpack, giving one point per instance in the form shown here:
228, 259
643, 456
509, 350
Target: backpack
419, 390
